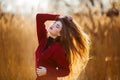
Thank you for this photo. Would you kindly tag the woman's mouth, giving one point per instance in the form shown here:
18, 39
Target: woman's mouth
51, 28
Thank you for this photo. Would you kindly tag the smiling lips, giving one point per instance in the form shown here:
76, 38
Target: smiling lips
51, 28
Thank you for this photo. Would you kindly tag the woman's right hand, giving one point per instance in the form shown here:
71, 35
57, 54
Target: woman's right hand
67, 16
41, 71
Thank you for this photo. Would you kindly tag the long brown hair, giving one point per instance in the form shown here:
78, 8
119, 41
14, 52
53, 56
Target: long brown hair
75, 43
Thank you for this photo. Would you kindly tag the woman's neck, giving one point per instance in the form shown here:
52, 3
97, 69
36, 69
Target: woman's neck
54, 37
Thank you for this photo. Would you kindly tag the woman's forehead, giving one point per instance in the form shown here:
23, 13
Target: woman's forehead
58, 22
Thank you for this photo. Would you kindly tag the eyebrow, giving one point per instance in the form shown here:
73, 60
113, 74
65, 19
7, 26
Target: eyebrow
58, 24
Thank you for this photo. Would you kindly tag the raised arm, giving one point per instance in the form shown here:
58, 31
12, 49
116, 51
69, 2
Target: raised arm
40, 20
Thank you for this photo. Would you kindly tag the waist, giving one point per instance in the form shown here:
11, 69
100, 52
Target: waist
46, 78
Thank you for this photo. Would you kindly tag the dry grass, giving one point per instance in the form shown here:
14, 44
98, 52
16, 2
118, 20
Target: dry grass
18, 42
17, 45
105, 36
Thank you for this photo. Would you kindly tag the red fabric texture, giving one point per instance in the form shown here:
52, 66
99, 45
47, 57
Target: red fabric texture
53, 58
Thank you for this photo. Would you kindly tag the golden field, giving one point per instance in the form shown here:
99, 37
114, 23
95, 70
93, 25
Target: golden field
18, 42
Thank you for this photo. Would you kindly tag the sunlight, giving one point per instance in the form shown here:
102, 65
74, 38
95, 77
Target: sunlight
34, 6
19, 6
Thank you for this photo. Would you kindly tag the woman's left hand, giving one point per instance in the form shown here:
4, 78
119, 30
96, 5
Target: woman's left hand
41, 71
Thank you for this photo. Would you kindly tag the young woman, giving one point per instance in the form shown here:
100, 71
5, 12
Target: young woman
59, 46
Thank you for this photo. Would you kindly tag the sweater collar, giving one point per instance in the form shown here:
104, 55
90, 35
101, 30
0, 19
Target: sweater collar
54, 40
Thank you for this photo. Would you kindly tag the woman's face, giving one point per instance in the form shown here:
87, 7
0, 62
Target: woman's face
55, 29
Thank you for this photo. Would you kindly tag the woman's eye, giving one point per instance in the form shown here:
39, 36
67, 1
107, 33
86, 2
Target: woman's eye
57, 26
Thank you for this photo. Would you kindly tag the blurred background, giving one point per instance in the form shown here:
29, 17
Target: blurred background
100, 19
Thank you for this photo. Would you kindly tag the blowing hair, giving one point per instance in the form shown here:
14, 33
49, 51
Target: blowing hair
76, 44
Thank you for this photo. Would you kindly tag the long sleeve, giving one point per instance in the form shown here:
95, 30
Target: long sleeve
40, 20
61, 62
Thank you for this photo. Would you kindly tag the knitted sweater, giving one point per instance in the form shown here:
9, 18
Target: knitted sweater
51, 56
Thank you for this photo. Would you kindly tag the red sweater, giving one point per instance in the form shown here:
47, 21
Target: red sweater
54, 56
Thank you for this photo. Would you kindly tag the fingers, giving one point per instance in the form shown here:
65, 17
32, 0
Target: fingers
38, 71
41, 71
41, 67
69, 17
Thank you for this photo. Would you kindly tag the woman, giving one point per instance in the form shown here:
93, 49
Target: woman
59, 46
